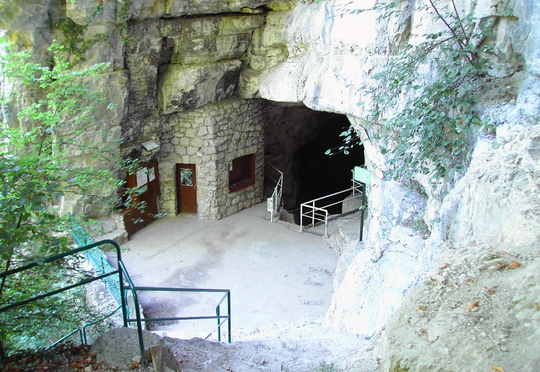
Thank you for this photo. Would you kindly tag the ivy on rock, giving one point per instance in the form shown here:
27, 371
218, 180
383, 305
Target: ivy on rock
425, 100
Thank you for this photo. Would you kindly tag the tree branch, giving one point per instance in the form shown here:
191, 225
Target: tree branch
459, 22
460, 44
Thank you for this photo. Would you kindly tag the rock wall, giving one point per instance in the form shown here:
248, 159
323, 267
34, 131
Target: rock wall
478, 306
165, 59
333, 52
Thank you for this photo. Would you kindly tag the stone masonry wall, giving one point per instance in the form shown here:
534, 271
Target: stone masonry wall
211, 137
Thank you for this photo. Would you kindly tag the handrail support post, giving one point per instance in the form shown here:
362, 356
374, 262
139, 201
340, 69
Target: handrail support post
229, 312
218, 323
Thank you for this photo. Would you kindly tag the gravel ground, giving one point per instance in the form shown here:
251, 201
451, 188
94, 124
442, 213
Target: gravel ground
478, 311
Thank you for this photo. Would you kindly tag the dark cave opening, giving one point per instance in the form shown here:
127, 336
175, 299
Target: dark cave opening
296, 141
320, 174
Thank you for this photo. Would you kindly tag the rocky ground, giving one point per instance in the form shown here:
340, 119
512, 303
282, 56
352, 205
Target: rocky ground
479, 310
292, 346
62, 359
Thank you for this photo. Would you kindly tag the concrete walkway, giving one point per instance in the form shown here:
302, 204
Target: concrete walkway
275, 273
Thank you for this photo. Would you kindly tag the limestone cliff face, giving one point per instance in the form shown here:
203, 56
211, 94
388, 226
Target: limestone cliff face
333, 52
176, 64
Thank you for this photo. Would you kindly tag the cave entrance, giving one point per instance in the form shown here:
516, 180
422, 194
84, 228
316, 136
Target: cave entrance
320, 174
296, 141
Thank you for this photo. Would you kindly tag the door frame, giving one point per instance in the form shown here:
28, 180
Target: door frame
186, 195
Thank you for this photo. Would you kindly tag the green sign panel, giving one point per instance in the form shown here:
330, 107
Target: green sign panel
362, 175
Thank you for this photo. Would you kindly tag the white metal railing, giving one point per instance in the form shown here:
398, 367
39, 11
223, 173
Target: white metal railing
319, 214
273, 202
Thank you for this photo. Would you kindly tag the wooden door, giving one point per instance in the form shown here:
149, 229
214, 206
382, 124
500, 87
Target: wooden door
186, 188
145, 208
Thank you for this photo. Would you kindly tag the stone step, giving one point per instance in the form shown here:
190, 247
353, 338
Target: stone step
292, 346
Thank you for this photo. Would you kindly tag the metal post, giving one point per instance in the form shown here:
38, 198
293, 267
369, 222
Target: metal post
363, 208
139, 330
229, 312
301, 216
123, 299
137, 312
218, 323
272, 211
326, 223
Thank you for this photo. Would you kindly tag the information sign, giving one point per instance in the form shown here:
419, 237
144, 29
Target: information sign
142, 178
362, 175
270, 205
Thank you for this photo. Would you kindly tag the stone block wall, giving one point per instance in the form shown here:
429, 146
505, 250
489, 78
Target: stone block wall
210, 137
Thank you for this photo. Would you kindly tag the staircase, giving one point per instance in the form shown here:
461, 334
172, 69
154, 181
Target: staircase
299, 346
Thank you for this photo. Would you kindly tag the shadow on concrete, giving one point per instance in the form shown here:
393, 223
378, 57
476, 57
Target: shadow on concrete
275, 273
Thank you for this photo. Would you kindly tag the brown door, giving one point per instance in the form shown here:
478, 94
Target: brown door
186, 188
145, 208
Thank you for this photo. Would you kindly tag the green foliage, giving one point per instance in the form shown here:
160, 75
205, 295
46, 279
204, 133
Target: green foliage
350, 139
41, 323
326, 368
123, 14
47, 133
74, 41
426, 99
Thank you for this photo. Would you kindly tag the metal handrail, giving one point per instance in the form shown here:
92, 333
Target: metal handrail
95, 322
138, 319
320, 214
275, 200
122, 274
82, 330
66, 337
317, 214
198, 290
62, 255
96, 258
83, 249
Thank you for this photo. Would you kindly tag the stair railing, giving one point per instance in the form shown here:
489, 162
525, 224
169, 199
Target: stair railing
81, 331
99, 261
122, 276
96, 259
318, 214
273, 203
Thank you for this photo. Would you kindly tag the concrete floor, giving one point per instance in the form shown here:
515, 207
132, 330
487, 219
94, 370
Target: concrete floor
275, 273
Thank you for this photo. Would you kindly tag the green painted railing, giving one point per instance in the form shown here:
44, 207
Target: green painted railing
97, 259
221, 319
82, 331
52, 259
100, 263
124, 283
